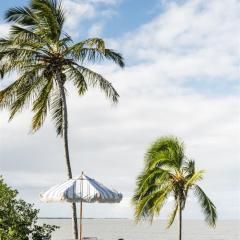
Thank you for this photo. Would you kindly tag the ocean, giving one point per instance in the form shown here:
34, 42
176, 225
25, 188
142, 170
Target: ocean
114, 229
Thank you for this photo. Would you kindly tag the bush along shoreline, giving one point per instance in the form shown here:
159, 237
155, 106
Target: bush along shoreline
18, 219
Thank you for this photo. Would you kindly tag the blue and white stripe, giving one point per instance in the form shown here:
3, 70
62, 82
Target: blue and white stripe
83, 189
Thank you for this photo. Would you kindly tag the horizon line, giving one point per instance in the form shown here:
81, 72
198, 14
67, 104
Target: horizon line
126, 218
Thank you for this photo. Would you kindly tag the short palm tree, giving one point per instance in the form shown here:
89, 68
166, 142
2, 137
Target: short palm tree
45, 60
168, 172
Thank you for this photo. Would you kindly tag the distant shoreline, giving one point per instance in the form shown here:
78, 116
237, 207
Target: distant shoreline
69, 218
83, 218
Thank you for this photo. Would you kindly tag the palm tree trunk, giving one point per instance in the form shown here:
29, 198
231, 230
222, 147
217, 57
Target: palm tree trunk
66, 149
180, 219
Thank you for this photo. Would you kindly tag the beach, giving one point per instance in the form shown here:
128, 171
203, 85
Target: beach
113, 229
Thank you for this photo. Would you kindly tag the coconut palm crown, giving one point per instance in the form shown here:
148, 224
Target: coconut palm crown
44, 59
167, 172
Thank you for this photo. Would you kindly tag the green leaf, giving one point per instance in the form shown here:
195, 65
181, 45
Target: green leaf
208, 208
172, 216
40, 106
56, 109
194, 178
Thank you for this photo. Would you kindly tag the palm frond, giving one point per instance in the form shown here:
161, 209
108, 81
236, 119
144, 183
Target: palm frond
150, 185
150, 205
148, 177
172, 216
91, 43
22, 88
95, 55
8, 95
20, 15
194, 178
22, 36
98, 42
208, 208
166, 150
65, 42
56, 109
78, 79
26, 93
176, 151
40, 106
159, 201
53, 19
96, 80
114, 56
189, 167
93, 50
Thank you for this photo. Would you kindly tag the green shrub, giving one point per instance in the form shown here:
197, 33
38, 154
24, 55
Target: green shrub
18, 219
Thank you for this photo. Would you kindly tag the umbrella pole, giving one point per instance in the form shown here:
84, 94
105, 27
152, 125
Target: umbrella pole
80, 230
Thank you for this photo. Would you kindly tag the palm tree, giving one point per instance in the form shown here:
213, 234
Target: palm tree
45, 60
168, 172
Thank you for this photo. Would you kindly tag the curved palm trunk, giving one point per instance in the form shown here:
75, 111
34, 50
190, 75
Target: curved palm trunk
180, 220
66, 149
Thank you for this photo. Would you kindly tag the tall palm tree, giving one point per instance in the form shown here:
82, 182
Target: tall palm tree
167, 172
45, 59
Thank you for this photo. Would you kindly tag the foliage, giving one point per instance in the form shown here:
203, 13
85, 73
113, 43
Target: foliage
168, 172
45, 59
18, 219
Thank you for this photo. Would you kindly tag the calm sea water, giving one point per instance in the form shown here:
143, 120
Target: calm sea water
113, 229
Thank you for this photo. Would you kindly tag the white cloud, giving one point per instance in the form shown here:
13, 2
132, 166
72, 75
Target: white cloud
197, 40
4, 29
95, 30
76, 13
108, 2
21, 179
108, 143
79, 12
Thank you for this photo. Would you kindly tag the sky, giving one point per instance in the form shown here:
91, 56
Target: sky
181, 78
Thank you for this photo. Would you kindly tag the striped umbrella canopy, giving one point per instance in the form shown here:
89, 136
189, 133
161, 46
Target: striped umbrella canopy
81, 189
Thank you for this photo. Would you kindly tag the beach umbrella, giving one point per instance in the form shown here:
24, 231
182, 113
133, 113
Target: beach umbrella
82, 189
